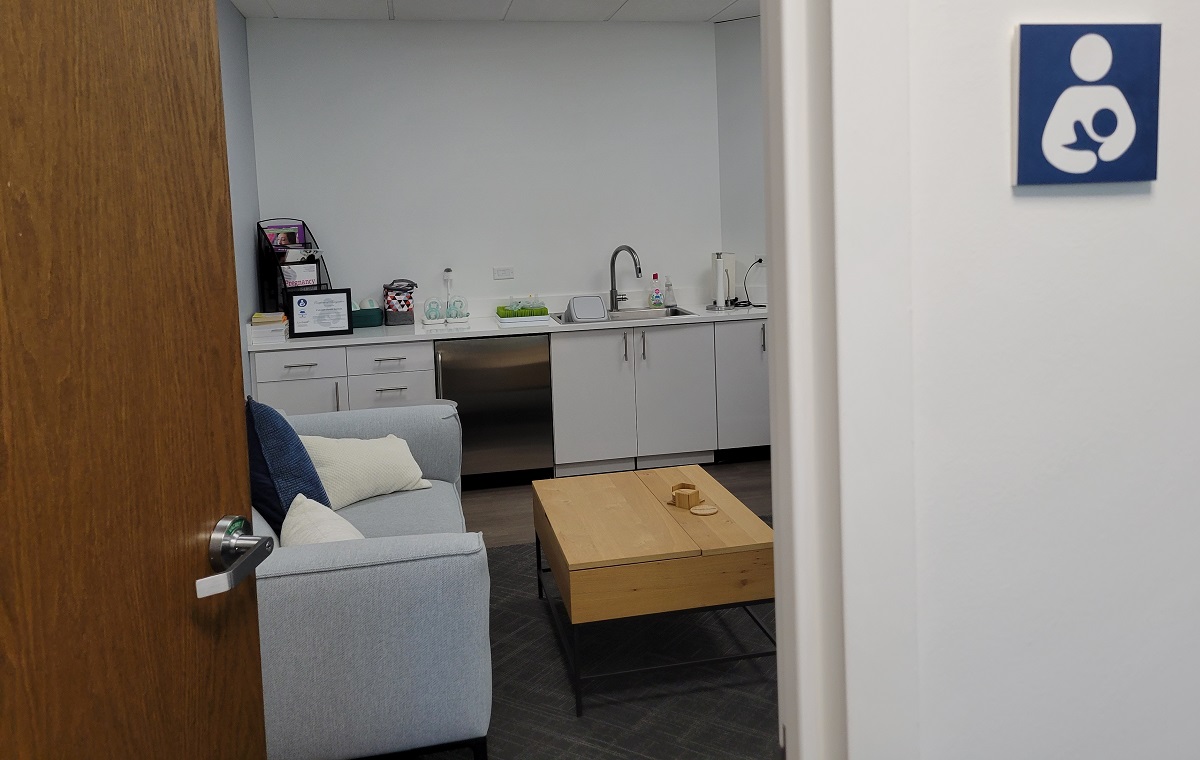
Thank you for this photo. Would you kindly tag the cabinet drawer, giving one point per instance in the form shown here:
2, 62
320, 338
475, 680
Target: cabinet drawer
389, 357
391, 389
323, 394
301, 364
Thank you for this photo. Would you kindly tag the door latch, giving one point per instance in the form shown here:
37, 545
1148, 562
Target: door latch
233, 554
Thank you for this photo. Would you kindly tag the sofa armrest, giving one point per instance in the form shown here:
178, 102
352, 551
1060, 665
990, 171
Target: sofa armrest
433, 432
375, 646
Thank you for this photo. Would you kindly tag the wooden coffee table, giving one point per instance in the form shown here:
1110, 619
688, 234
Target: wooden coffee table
618, 548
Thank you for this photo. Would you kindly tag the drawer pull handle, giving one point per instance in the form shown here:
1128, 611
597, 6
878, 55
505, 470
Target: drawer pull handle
299, 366
385, 390
391, 359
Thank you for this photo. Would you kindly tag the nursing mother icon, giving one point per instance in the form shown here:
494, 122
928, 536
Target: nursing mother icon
1086, 103
1090, 122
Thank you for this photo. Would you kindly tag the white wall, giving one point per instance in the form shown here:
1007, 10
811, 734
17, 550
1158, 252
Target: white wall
740, 126
1043, 485
412, 147
243, 176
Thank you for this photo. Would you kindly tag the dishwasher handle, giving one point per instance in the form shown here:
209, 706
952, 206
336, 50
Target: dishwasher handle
437, 370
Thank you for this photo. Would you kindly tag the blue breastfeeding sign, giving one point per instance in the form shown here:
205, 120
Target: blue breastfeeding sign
1087, 103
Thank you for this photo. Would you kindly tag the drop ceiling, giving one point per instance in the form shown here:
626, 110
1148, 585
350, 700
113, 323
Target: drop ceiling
502, 10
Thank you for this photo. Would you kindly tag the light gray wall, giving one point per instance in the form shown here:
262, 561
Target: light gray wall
243, 174
412, 147
1019, 384
740, 122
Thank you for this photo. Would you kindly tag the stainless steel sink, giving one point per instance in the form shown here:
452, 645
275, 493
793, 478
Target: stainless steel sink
672, 311
630, 314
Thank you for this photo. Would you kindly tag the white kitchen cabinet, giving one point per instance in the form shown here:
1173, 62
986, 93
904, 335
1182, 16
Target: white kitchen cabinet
743, 409
626, 393
302, 381
307, 380
392, 389
389, 357
592, 381
676, 389
299, 364
324, 394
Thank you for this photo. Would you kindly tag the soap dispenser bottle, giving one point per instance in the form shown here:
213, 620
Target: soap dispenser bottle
669, 299
656, 293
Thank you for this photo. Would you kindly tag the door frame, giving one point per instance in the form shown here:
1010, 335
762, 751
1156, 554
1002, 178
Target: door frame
806, 485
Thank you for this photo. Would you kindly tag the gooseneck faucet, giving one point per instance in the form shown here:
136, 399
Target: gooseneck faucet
613, 295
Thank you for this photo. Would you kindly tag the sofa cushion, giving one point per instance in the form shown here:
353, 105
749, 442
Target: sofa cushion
309, 522
409, 513
280, 466
353, 469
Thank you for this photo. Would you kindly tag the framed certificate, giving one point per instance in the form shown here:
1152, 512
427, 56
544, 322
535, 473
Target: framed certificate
325, 312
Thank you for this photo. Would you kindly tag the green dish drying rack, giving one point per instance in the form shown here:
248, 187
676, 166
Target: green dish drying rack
519, 310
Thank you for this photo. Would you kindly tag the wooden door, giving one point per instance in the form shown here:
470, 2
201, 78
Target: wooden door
591, 376
743, 410
120, 389
676, 390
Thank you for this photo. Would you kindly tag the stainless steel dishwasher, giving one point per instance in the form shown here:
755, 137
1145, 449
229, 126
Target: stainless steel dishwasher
502, 388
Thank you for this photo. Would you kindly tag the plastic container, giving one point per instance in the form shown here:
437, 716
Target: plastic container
366, 317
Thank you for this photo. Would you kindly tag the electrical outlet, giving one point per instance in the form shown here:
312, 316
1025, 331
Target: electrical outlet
503, 273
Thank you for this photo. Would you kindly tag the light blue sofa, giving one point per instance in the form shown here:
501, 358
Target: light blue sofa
380, 645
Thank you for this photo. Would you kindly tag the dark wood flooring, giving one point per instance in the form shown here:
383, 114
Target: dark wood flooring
505, 516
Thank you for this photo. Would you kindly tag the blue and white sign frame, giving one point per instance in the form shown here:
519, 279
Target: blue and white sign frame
1085, 103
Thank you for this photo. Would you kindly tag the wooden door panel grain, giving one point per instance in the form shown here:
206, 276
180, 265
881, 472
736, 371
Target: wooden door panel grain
123, 435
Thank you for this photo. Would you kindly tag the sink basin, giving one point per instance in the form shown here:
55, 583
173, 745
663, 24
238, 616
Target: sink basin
672, 311
629, 314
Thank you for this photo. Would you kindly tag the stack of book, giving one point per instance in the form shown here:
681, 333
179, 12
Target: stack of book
268, 327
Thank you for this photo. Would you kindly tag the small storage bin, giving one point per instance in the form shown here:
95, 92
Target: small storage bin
366, 317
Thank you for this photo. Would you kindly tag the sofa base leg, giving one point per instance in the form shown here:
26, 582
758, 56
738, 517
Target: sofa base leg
478, 749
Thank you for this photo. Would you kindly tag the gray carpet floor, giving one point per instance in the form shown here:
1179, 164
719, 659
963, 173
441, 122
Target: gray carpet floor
725, 711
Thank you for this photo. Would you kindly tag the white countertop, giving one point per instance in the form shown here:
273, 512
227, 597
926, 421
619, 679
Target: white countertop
487, 327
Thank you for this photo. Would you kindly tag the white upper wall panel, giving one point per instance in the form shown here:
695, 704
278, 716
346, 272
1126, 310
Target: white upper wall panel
332, 9
670, 10
255, 8
562, 10
740, 9
449, 10
503, 10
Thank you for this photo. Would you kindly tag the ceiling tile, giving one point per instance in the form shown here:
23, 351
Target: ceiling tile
254, 8
562, 10
670, 10
450, 10
740, 9
339, 9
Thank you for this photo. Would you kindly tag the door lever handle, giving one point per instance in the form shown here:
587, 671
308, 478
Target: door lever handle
233, 554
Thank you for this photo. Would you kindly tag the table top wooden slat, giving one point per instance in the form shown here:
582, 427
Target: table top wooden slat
611, 519
732, 529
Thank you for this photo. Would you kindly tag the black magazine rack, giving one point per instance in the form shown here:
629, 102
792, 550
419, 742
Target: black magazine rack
279, 240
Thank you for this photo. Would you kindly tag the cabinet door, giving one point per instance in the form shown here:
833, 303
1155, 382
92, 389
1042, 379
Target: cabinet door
326, 394
743, 412
676, 389
591, 376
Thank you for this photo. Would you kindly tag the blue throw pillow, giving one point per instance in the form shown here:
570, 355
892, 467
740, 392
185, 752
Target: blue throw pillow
280, 466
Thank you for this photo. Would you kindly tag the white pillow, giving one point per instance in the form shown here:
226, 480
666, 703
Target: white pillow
311, 522
353, 469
